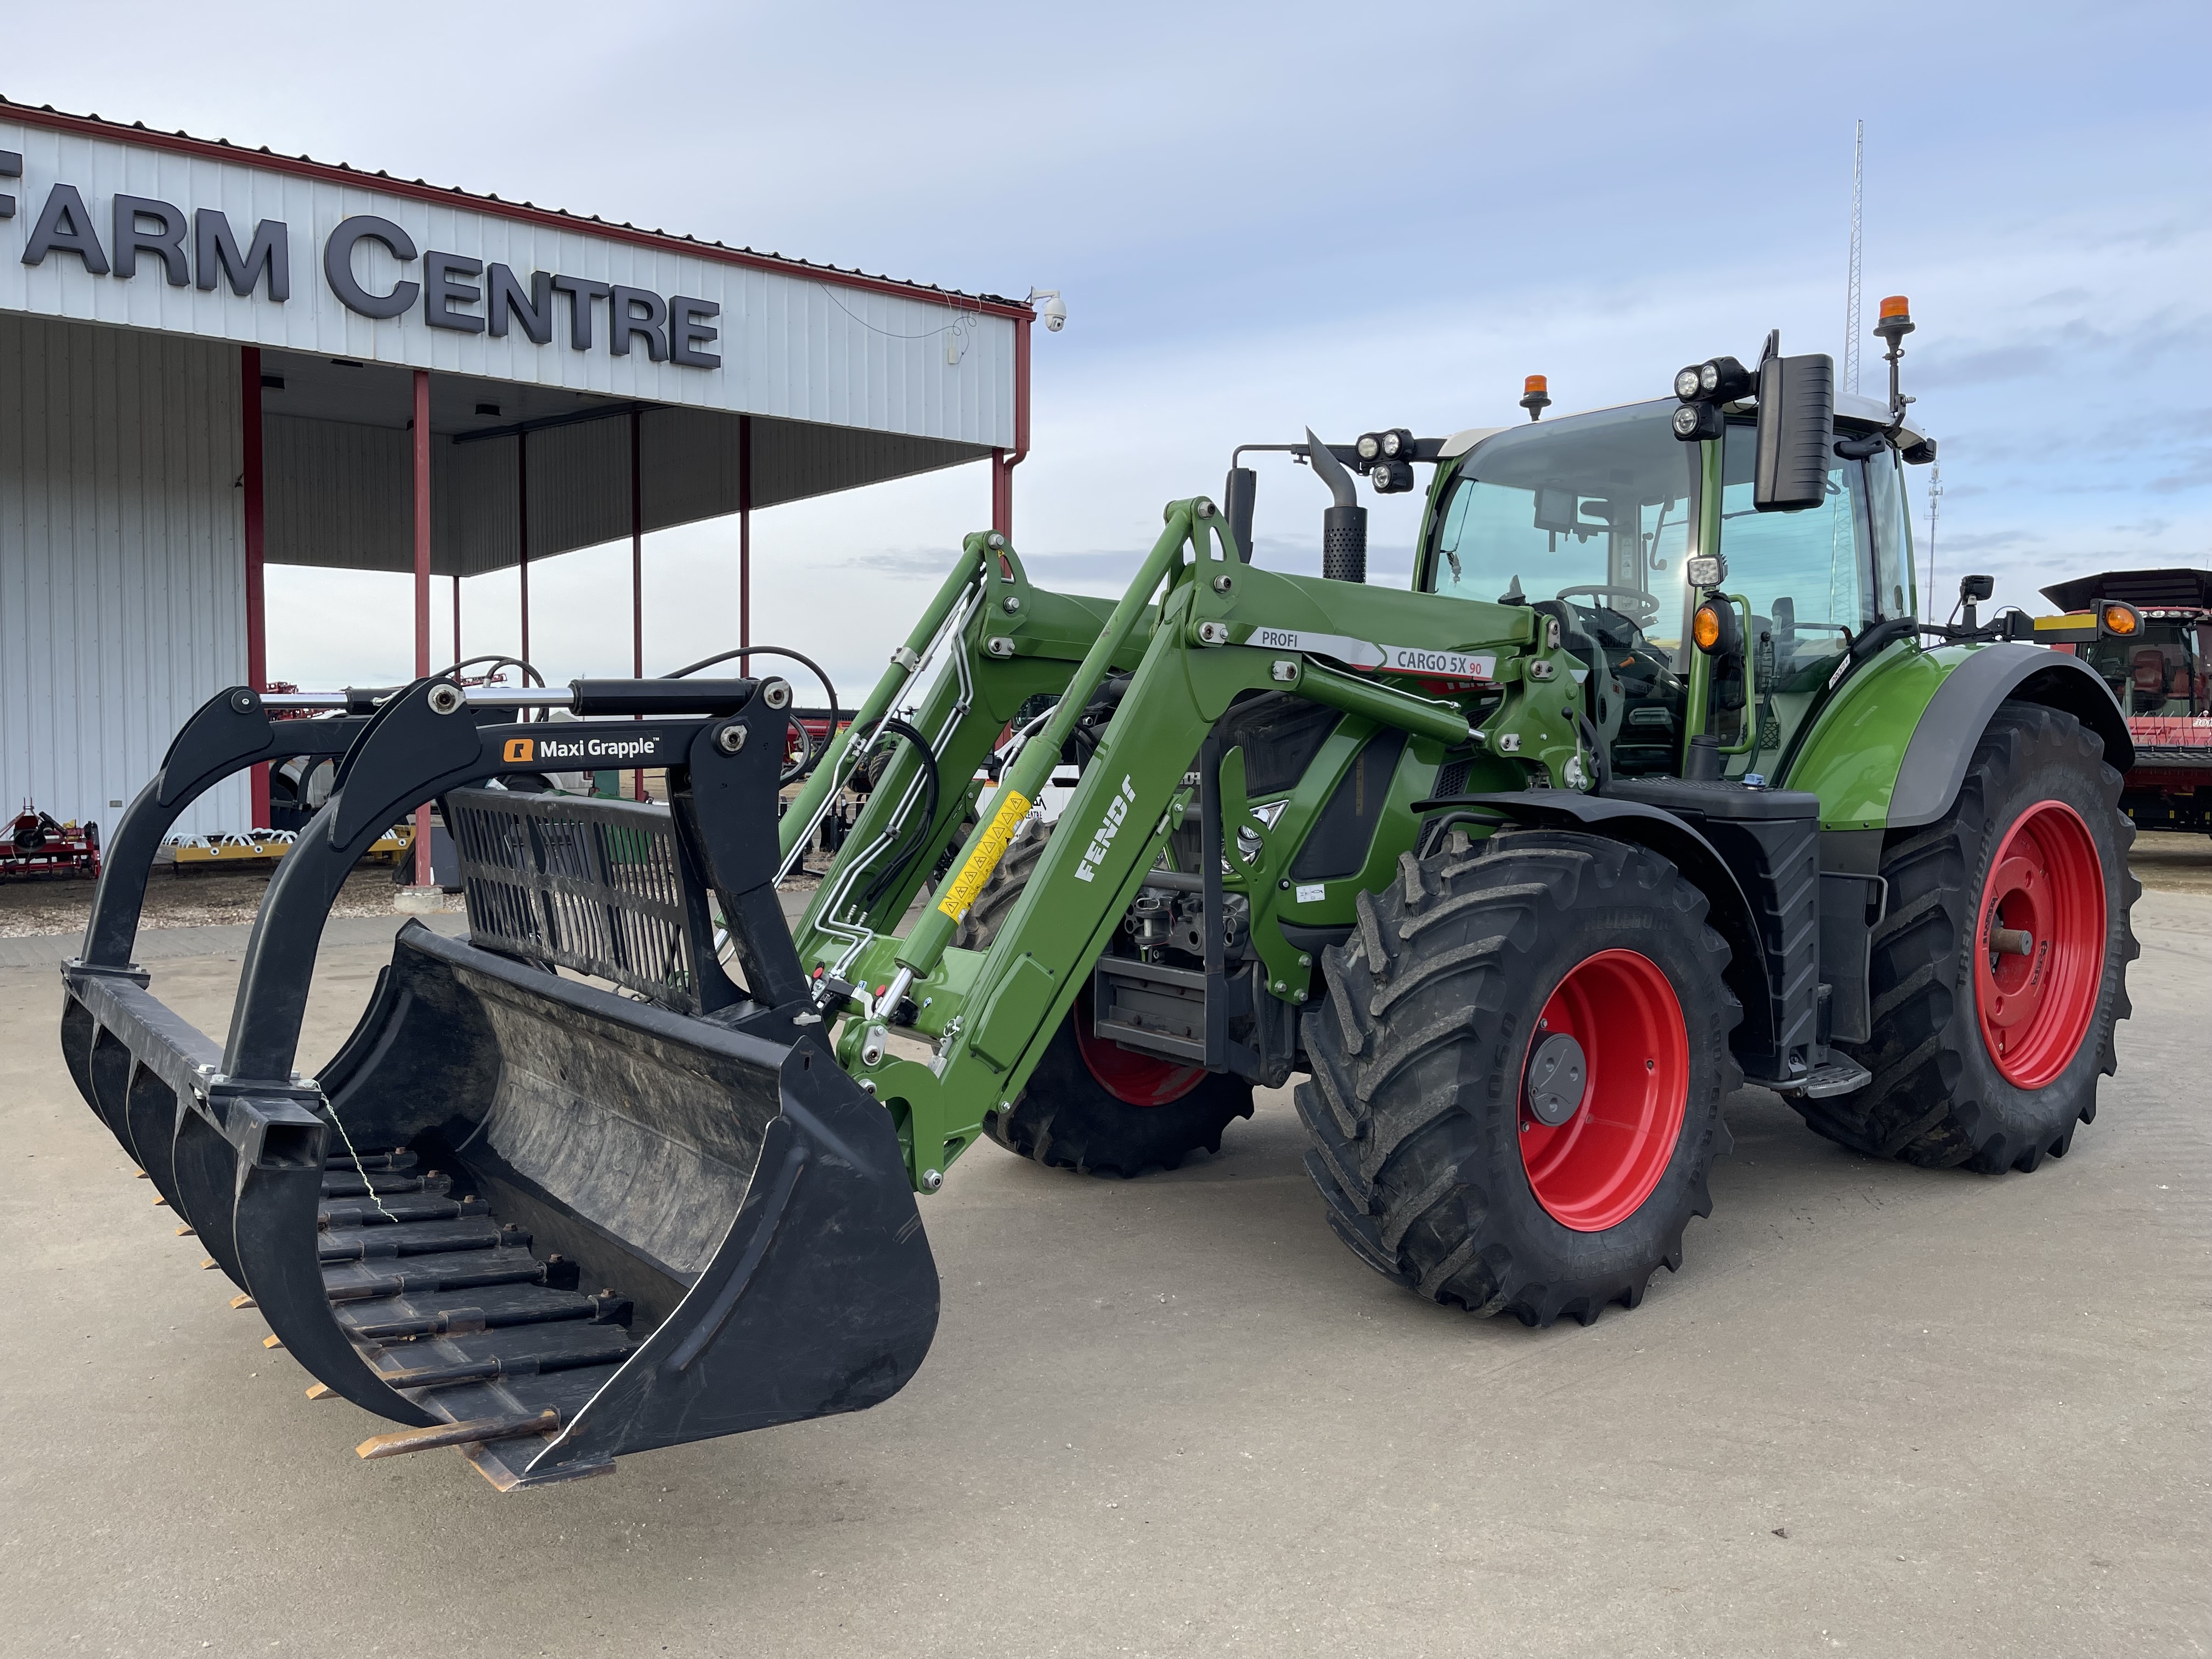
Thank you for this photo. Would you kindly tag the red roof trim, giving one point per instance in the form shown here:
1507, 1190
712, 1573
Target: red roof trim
416, 190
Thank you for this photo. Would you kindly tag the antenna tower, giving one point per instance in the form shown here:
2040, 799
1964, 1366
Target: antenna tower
1935, 496
1851, 299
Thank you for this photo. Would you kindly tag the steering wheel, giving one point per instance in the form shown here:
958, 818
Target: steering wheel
1642, 609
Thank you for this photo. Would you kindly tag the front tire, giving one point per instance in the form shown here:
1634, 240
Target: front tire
1982, 1056
1452, 1158
1091, 1105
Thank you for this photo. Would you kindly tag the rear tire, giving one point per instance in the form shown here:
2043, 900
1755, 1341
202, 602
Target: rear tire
1426, 1146
1092, 1106
1944, 1092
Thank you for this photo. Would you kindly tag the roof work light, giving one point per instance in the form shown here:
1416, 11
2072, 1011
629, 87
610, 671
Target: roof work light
1387, 459
1703, 388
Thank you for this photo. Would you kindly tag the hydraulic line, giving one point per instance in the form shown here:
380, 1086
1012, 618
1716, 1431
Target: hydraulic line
828, 690
811, 753
913, 843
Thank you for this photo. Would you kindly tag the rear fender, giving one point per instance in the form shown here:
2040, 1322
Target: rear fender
1729, 911
1943, 742
1890, 749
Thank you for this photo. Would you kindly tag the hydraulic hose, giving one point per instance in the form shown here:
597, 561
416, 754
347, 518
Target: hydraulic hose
913, 843
810, 754
815, 668
498, 661
529, 674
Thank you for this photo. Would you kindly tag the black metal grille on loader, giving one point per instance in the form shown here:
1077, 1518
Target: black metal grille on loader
520, 1213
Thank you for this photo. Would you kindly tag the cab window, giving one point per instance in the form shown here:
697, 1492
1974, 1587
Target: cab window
1589, 517
1891, 521
1808, 578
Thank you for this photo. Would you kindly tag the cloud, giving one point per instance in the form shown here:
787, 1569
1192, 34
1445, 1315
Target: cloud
1241, 261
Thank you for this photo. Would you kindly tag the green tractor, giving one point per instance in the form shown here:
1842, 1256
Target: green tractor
1653, 783
1650, 786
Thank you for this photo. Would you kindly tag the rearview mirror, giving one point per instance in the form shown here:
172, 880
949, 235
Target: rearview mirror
1797, 432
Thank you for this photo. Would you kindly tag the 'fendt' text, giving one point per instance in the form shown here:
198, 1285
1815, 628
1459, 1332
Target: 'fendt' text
1117, 812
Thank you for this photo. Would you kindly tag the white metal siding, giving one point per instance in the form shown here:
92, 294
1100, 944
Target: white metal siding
793, 346
122, 561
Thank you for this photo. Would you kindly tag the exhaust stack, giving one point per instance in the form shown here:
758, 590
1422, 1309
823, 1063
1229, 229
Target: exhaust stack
1344, 525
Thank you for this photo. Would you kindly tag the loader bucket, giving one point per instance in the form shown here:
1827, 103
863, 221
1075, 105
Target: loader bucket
745, 1203
549, 1218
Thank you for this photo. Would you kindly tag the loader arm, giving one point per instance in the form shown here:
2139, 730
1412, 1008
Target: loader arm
1221, 629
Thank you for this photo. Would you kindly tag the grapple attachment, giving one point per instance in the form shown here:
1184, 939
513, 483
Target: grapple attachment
543, 1217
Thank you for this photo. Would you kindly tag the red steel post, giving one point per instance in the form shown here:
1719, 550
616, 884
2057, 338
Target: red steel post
744, 534
636, 575
522, 530
421, 589
256, 614
1003, 462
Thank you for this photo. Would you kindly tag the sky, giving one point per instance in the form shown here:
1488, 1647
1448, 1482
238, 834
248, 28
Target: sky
1267, 217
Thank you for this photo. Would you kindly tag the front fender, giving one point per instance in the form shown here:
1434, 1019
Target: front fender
1891, 750
1728, 909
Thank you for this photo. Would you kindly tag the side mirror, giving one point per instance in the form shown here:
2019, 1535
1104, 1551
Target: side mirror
1973, 591
1797, 432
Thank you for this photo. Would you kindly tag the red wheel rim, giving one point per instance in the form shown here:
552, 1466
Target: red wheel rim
1596, 1169
2046, 883
1133, 1079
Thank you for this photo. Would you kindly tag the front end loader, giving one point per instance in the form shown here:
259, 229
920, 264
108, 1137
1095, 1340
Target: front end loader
1652, 784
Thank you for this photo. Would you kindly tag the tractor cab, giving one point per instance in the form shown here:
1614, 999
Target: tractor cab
1594, 518
2163, 669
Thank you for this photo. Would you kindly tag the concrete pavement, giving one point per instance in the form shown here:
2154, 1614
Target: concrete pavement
1881, 1411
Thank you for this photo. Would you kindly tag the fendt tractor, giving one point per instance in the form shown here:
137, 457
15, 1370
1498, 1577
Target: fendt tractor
1652, 784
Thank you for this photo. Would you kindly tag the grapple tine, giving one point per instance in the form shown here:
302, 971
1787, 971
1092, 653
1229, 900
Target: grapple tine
458, 1434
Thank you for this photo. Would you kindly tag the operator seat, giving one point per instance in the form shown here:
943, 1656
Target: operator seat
2148, 678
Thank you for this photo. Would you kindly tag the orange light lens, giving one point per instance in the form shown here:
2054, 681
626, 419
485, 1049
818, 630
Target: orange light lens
1535, 383
1896, 305
1705, 627
2118, 619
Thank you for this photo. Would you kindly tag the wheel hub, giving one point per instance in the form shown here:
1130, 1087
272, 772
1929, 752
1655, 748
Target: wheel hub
1557, 1074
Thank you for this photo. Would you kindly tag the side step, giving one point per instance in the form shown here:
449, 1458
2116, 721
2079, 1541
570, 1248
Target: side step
1838, 1074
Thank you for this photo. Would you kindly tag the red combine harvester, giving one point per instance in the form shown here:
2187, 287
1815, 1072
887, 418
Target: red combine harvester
39, 844
2162, 677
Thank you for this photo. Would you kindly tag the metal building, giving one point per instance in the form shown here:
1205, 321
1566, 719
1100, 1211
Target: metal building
212, 358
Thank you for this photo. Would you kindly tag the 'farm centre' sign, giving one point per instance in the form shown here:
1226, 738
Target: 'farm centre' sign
454, 291
102, 230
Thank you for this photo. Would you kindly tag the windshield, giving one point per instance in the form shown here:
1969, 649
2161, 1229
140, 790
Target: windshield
1594, 509
2154, 672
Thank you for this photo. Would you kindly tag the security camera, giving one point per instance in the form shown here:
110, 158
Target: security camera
1055, 309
